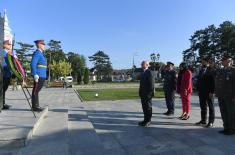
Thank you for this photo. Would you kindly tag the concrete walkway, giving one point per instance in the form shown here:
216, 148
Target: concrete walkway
116, 124
18, 124
110, 127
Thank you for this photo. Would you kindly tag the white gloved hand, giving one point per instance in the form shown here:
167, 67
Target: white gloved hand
36, 77
24, 83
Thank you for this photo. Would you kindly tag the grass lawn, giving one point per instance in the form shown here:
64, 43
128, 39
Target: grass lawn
110, 83
114, 94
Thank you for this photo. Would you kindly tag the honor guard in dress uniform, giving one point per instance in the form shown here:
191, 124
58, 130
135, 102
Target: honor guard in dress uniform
206, 89
225, 91
38, 71
170, 88
146, 92
7, 45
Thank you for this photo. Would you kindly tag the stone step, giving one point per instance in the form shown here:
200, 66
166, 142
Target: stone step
17, 125
83, 139
103, 123
52, 136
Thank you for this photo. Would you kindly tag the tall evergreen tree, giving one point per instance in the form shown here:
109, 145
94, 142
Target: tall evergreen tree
24, 54
211, 42
54, 52
86, 76
102, 64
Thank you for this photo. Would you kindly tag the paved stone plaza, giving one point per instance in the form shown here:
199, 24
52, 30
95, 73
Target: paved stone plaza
110, 127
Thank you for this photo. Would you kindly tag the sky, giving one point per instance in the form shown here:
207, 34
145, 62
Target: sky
123, 29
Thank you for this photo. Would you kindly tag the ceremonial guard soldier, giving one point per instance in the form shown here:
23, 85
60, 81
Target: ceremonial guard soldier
7, 45
38, 71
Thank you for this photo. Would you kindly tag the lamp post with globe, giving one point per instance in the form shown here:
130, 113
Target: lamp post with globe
154, 58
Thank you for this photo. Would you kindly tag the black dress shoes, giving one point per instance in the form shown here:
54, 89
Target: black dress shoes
209, 125
227, 132
38, 109
201, 123
168, 113
6, 107
223, 131
144, 123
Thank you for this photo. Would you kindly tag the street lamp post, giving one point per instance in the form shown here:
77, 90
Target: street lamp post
133, 63
133, 59
154, 57
49, 71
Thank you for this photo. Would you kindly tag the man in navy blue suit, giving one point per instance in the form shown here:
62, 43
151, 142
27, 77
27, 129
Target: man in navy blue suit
146, 92
206, 89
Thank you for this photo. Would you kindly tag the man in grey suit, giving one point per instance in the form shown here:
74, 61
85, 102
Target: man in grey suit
146, 92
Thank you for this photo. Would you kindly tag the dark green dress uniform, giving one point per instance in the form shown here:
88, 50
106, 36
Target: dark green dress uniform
225, 91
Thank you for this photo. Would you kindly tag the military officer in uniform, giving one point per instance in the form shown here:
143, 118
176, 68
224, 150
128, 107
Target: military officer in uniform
7, 45
146, 92
225, 91
38, 71
206, 88
170, 88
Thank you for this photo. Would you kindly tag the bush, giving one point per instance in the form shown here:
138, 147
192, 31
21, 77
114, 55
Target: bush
86, 76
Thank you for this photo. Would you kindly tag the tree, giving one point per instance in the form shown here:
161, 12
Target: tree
190, 57
86, 76
79, 78
102, 64
80, 75
54, 53
24, 54
211, 42
78, 63
61, 68
227, 37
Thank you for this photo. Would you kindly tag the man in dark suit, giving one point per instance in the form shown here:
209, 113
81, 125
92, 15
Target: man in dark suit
206, 88
146, 92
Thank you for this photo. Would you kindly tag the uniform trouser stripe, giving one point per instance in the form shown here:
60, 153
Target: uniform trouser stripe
36, 89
